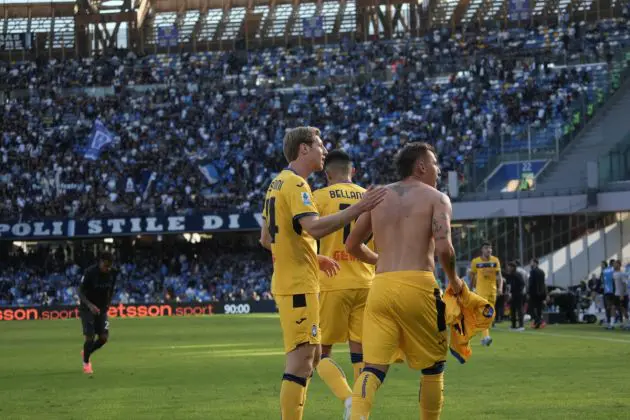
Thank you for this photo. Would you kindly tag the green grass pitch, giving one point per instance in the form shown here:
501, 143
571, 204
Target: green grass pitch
229, 367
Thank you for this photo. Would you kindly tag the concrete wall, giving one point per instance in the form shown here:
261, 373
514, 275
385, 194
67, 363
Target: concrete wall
578, 260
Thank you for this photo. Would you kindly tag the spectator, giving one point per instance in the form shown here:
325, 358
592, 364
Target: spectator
516, 285
537, 293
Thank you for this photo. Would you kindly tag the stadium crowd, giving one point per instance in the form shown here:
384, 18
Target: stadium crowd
208, 111
182, 272
172, 116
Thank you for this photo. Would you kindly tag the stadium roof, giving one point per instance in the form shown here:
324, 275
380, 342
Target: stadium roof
191, 25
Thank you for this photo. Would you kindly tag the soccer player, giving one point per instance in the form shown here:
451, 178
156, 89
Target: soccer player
486, 280
342, 297
96, 291
291, 227
404, 310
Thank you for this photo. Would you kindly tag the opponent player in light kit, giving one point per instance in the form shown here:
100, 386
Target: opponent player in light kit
291, 227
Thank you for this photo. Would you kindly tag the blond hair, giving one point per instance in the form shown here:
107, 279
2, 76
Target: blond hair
296, 137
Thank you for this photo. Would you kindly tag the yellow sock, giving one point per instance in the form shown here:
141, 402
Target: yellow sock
357, 367
333, 376
292, 397
304, 392
364, 392
485, 333
431, 396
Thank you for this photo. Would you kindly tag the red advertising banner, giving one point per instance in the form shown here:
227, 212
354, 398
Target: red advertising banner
139, 310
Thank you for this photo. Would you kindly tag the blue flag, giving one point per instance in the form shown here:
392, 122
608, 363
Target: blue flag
100, 138
210, 172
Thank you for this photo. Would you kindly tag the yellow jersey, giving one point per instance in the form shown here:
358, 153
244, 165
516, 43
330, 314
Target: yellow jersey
353, 274
486, 271
294, 252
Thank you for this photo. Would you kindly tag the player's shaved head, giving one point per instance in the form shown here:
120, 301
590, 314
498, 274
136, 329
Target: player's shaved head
409, 155
338, 162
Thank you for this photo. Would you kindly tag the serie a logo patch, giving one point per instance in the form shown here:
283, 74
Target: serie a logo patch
314, 330
306, 199
488, 311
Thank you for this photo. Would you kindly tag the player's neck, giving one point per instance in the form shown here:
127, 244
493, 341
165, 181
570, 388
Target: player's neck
345, 180
300, 168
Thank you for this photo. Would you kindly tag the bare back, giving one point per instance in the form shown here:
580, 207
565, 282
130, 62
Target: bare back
402, 228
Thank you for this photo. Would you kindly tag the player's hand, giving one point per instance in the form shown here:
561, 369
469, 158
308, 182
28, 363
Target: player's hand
328, 265
372, 197
456, 286
94, 309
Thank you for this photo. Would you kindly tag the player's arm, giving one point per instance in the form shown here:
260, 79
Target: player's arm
499, 283
473, 275
112, 289
318, 227
441, 229
265, 237
355, 244
82, 291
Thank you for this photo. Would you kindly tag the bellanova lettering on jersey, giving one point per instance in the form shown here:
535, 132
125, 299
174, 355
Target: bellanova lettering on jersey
352, 195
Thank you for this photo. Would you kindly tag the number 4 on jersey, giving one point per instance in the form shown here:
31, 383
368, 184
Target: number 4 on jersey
270, 214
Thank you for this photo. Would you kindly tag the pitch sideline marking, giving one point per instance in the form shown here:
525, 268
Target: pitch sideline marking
582, 337
201, 346
241, 353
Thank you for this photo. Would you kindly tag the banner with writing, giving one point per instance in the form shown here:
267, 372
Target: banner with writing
131, 225
149, 310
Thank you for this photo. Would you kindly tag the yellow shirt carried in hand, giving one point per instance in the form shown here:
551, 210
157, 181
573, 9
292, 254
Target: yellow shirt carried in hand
294, 252
353, 274
486, 271
466, 315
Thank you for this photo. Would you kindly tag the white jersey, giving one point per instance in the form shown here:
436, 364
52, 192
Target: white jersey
621, 283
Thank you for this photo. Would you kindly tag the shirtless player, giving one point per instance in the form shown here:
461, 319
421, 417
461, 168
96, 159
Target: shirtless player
404, 308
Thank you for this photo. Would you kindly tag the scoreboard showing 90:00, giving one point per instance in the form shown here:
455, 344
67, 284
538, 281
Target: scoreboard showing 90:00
241, 308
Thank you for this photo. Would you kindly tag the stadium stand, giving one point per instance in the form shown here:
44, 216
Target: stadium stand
194, 112
196, 122
224, 269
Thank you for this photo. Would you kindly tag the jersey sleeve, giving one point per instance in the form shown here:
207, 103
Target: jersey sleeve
498, 266
301, 201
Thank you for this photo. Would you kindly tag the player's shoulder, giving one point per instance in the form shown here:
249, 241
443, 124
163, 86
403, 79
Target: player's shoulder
322, 192
293, 180
285, 182
475, 260
355, 187
91, 271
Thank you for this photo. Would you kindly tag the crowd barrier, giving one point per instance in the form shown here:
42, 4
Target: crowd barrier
140, 310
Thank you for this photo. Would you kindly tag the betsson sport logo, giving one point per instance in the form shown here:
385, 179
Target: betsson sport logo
118, 311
